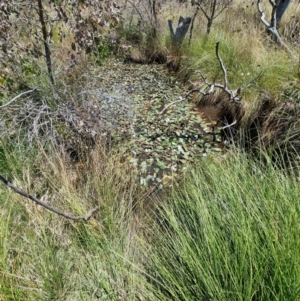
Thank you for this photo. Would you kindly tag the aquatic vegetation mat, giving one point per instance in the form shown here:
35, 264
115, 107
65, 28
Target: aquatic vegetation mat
158, 143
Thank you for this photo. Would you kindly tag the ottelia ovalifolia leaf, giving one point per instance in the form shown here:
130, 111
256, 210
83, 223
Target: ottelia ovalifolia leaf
159, 146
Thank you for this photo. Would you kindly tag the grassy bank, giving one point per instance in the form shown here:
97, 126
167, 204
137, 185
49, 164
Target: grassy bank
245, 46
228, 231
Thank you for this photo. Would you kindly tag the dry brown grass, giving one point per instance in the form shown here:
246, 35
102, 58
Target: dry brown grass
52, 256
274, 126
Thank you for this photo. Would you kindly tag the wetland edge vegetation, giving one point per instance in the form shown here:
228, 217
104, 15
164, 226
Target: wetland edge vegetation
223, 227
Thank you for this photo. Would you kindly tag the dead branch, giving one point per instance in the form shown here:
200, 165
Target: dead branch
138, 12
16, 97
228, 125
234, 95
252, 81
171, 104
45, 205
272, 27
211, 10
182, 99
222, 66
192, 24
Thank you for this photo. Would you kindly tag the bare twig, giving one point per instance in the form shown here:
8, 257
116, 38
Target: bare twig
234, 95
228, 125
16, 97
45, 205
182, 99
222, 66
192, 24
252, 81
211, 10
41, 12
139, 13
171, 104
154, 13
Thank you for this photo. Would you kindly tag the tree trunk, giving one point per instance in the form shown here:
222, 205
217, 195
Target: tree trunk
181, 30
45, 38
212, 16
281, 7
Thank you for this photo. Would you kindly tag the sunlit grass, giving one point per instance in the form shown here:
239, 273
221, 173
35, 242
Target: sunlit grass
245, 47
230, 233
246, 61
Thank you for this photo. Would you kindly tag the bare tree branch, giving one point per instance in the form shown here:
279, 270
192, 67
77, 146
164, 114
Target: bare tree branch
234, 95
205, 14
222, 66
139, 13
41, 12
16, 97
171, 104
45, 205
272, 27
211, 9
182, 99
192, 24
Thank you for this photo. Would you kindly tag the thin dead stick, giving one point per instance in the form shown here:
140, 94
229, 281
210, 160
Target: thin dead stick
48, 207
139, 13
171, 104
181, 99
222, 66
192, 24
252, 81
18, 96
228, 126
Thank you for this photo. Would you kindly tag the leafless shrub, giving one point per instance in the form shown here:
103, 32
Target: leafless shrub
73, 121
31, 120
211, 9
146, 11
30, 31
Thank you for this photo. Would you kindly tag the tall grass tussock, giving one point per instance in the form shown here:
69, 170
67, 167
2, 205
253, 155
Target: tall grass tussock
229, 233
44, 257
